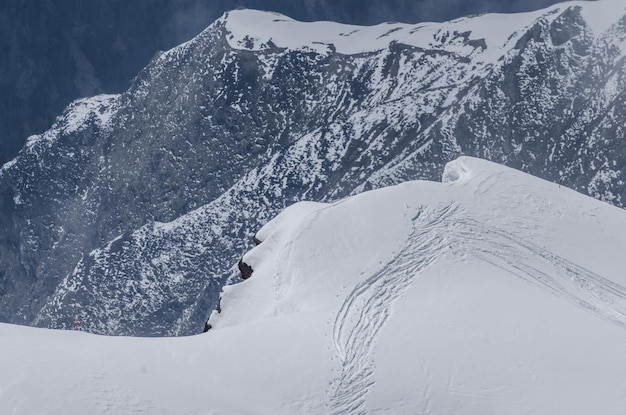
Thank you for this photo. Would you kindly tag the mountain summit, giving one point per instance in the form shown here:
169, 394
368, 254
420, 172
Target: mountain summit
489, 292
132, 209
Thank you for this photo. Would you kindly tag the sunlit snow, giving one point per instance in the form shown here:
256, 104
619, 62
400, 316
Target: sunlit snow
491, 292
254, 30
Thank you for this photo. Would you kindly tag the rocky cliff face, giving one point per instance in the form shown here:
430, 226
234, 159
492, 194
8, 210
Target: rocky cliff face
55, 52
131, 211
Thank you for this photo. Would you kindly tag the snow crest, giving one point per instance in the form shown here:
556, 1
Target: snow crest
457, 297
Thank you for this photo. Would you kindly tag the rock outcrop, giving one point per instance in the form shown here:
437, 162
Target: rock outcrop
245, 270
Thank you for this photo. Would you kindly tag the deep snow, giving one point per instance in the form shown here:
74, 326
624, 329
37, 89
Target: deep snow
491, 292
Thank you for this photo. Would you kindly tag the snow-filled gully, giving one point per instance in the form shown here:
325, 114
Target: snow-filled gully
448, 229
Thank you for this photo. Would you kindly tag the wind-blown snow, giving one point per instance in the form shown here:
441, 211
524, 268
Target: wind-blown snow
492, 292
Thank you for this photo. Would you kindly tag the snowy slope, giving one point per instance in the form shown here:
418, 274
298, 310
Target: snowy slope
492, 292
132, 209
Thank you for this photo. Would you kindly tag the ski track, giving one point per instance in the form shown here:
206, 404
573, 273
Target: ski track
282, 279
561, 277
368, 306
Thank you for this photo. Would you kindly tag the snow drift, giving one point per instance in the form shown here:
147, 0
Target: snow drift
492, 292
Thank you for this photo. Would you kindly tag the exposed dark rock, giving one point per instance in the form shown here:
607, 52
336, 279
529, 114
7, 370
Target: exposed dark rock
245, 270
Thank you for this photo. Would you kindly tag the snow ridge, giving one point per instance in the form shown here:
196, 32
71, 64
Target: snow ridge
430, 298
262, 31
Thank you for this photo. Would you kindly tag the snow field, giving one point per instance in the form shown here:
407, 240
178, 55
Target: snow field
492, 292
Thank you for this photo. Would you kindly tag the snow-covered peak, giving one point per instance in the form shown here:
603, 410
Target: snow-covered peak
485, 35
481, 210
601, 15
492, 292
255, 30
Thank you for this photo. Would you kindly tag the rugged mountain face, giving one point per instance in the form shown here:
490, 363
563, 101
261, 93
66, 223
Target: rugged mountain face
55, 52
133, 209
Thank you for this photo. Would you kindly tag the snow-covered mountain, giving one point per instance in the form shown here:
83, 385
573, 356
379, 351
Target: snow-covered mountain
131, 211
57, 51
54, 52
490, 292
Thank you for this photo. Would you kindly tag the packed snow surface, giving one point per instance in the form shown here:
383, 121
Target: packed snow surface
492, 292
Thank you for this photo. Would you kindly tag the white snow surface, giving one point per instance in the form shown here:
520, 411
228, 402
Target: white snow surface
257, 31
493, 292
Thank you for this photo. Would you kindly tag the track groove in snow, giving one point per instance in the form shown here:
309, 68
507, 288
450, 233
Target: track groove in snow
561, 277
368, 306
449, 229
